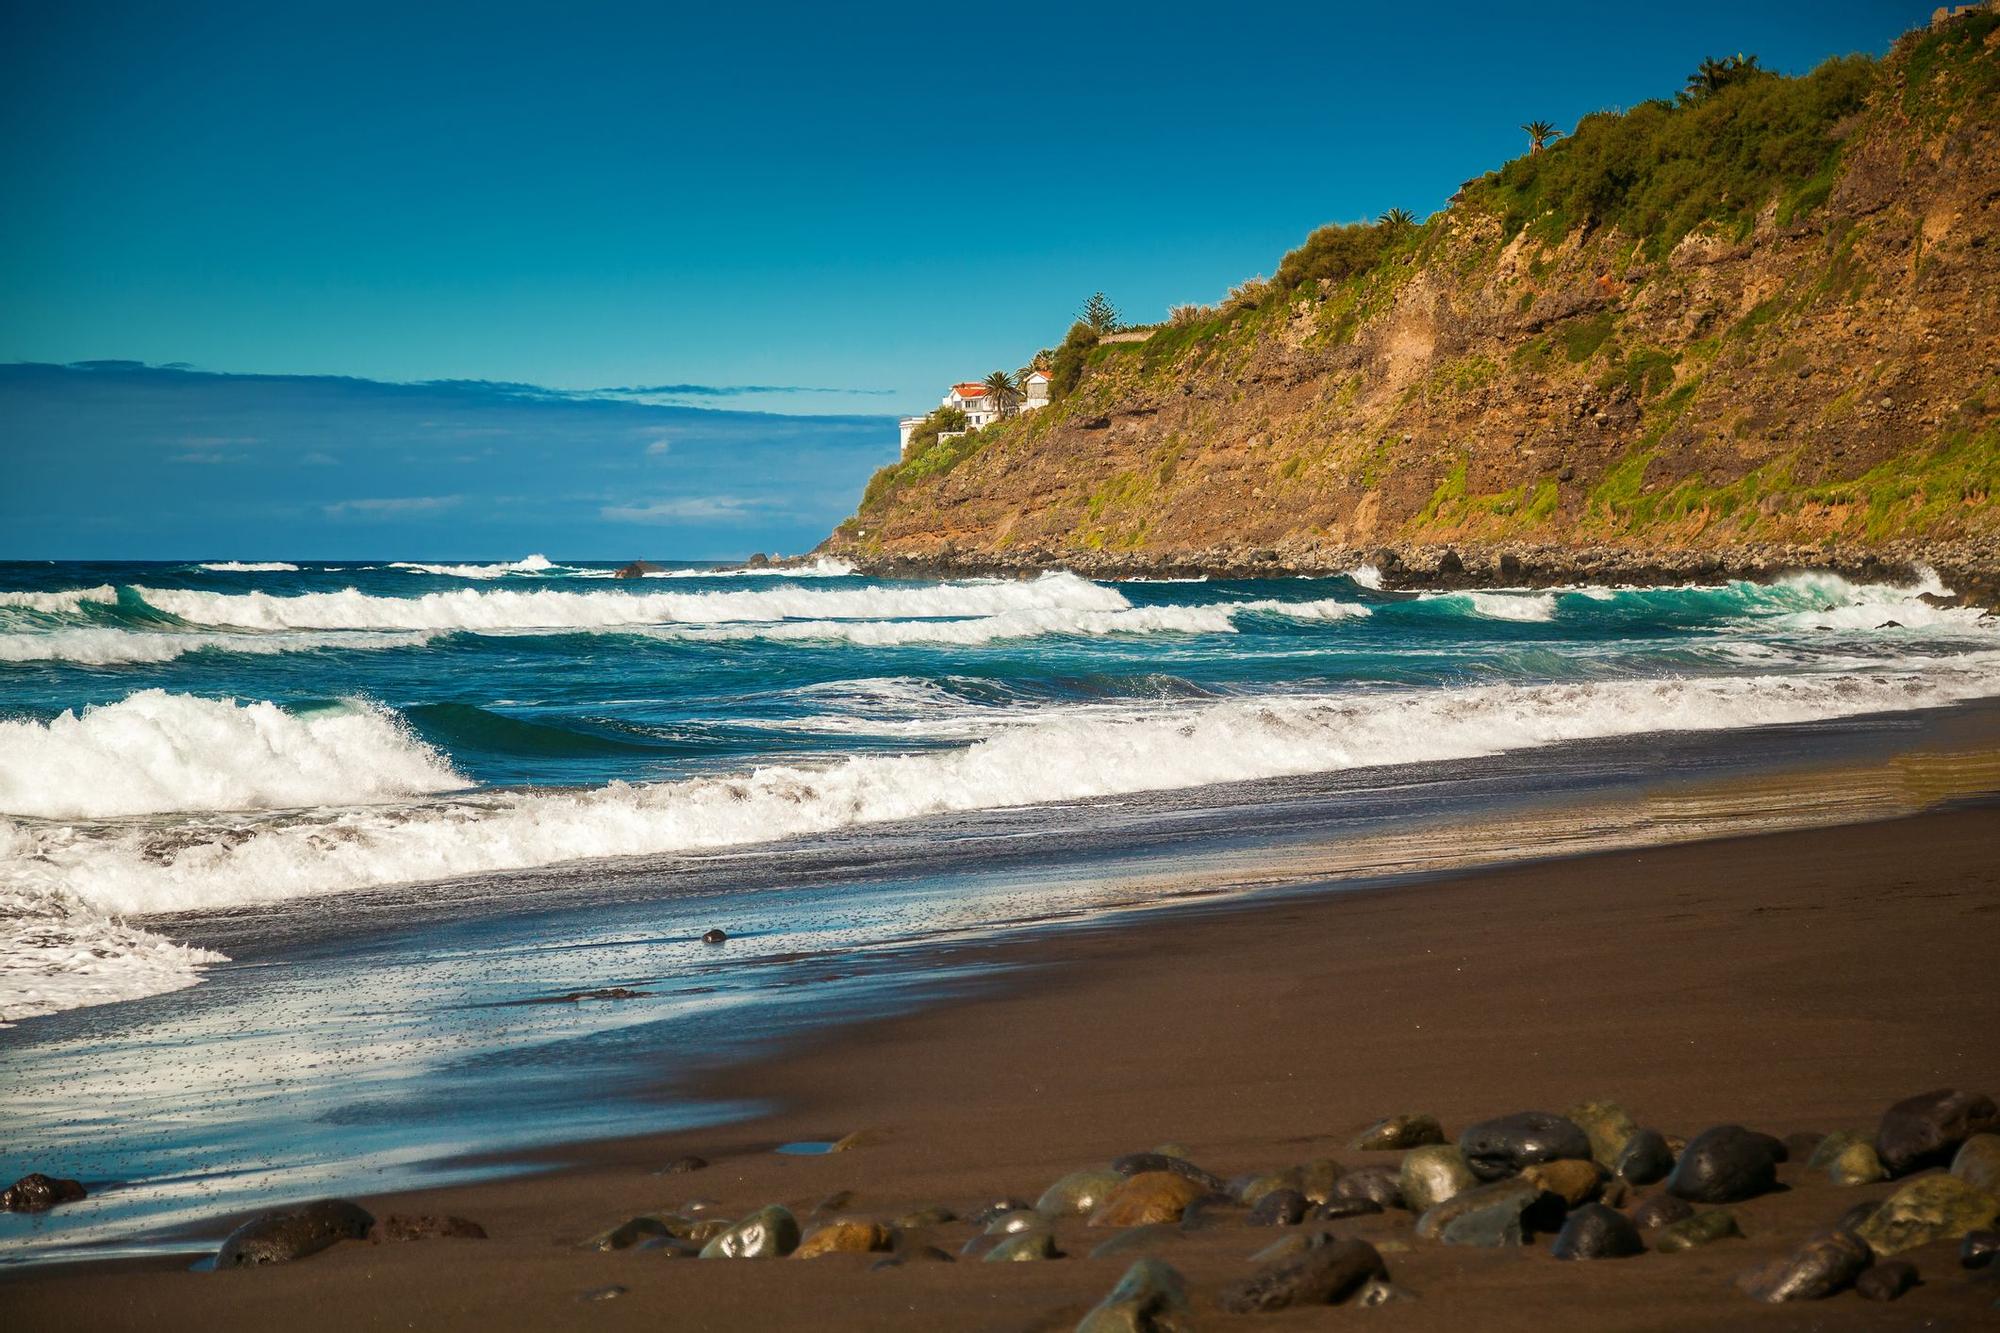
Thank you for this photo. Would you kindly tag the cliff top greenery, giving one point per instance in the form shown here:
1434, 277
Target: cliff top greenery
1735, 140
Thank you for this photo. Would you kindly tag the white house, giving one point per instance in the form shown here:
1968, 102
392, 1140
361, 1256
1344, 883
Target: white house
973, 400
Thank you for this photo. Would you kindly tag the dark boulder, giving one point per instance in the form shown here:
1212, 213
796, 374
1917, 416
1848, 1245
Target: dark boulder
1324, 1275
714, 936
1338, 1210
1645, 1158
1886, 1281
293, 1233
1279, 1208
1496, 1149
680, 1166
1138, 1163
1724, 1165
638, 569
1594, 1231
1150, 1298
1823, 1266
1377, 1184
1979, 1249
1661, 1210
1926, 1130
37, 1193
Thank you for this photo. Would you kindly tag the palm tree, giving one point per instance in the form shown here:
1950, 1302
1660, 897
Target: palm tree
1002, 390
1396, 221
1539, 133
1715, 75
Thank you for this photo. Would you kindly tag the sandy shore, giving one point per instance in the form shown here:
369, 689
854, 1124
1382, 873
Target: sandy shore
1798, 981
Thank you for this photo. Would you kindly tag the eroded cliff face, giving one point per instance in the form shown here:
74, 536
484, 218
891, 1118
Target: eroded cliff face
1824, 389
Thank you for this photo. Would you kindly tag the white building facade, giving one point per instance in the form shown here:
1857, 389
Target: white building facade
978, 406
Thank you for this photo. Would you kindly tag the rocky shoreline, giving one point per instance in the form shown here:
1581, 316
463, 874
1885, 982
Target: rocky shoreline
1969, 569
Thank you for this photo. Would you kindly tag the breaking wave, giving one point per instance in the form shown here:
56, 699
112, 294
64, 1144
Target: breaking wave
251, 567
119, 647
1075, 755
58, 603
543, 608
155, 752
534, 564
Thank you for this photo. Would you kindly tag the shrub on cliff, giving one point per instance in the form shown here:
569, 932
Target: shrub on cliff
1066, 367
1663, 168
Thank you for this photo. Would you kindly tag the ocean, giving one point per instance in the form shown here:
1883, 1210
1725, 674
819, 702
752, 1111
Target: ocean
307, 870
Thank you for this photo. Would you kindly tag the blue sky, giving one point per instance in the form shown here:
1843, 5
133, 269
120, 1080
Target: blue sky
578, 196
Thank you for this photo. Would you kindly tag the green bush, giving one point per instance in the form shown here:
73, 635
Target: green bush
1663, 168
1067, 366
1336, 253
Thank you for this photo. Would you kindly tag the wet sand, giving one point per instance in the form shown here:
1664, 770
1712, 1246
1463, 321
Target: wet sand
1794, 981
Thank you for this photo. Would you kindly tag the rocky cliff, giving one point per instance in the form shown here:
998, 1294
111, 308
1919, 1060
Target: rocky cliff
1580, 367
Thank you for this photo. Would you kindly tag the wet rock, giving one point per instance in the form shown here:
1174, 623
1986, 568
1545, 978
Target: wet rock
1279, 1208
638, 569
1140, 1163
668, 1247
1292, 1246
1318, 1177
1596, 1232
1377, 1183
1321, 1276
1150, 1298
1929, 1208
1150, 1196
1380, 1291
997, 1208
1608, 1128
1249, 1190
1856, 1164
1517, 1195
1724, 1165
769, 1233
1832, 1145
1020, 1219
1137, 1240
1978, 1162
912, 1254
845, 1236
1703, 1228
1852, 1219
714, 936
1645, 1159
1432, 1174
1078, 1194
424, 1226
1773, 1145
293, 1233
1571, 1181
1661, 1210
37, 1193
626, 1234
1498, 1148
1979, 1249
936, 1215
1926, 1130
1338, 1210
1405, 1130
1024, 1247
1207, 1211
1887, 1280
1491, 1227
1824, 1265
681, 1166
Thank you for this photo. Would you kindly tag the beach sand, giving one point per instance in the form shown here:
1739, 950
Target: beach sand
1790, 982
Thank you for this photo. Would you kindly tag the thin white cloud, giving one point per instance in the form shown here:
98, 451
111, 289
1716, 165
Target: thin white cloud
659, 448
408, 504
691, 509
206, 456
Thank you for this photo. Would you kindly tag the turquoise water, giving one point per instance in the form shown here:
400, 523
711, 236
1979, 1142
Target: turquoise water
321, 850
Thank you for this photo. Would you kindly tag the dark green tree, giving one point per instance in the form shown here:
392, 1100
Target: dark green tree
1396, 221
1715, 75
1539, 133
1100, 314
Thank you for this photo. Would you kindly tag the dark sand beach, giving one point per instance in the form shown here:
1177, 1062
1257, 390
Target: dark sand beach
1798, 981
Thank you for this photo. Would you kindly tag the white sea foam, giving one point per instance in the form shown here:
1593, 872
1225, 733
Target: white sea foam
1068, 756
1326, 608
58, 603
251, 567
57, 954
119, 647
534, 564
1498, 605
1366, 576
154, 752
545, 608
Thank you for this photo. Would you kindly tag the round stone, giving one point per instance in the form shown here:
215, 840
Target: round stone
1430, 1175
1723, 1165
1405, 1130
769, 1233
1596, 1232
1645, 1159
1498, 1148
